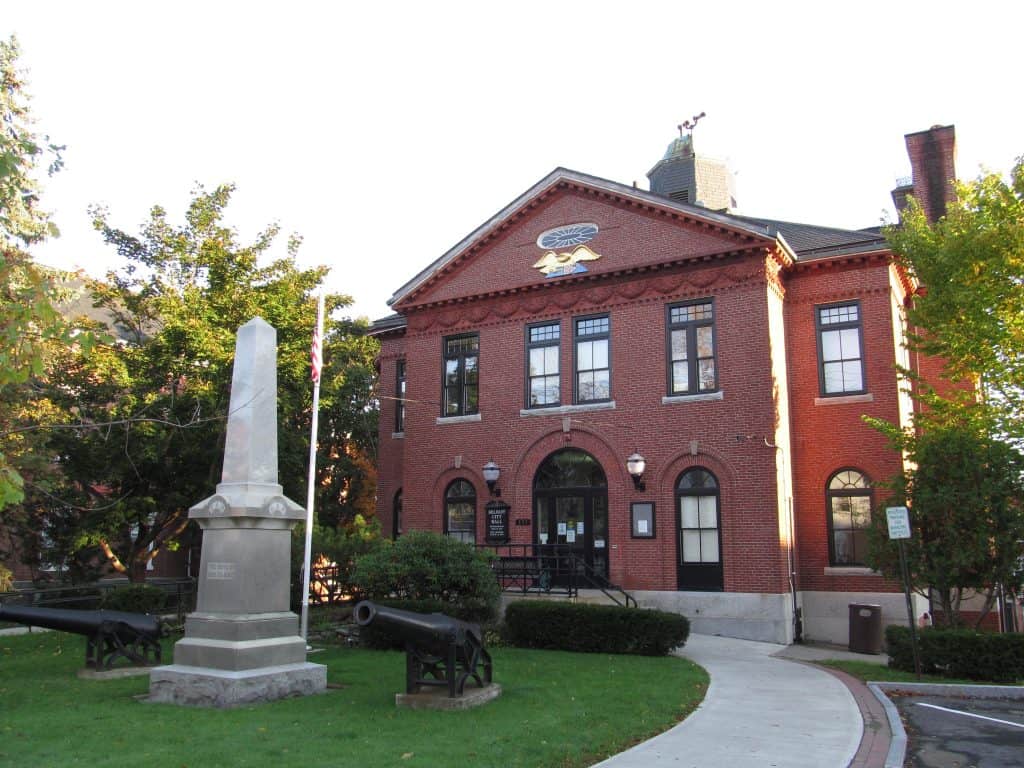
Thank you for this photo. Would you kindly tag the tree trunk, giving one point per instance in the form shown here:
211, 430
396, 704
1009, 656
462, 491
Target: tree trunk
137, 571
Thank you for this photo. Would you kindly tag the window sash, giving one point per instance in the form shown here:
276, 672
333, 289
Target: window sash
840, 349
691, 348
400, 396
592, 360
543, 374
461, 376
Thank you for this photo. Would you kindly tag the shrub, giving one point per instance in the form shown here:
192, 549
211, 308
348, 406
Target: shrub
962, 653
594, 628
6, 580
427, 566
135, 598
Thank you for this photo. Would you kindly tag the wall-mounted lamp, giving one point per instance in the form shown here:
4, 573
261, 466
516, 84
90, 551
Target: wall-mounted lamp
636, 465
491, 473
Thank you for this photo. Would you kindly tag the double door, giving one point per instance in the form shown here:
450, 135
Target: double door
578, 524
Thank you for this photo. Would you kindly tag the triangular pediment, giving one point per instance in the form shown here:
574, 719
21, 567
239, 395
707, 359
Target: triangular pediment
570, 227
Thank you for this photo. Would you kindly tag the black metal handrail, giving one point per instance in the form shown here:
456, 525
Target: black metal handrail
550, 569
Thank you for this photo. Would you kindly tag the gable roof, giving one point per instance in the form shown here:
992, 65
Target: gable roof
762, 230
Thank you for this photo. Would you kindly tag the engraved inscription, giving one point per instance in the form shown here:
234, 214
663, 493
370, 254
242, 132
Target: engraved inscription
220, 571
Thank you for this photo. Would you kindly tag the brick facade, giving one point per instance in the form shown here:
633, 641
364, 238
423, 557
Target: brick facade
765, 432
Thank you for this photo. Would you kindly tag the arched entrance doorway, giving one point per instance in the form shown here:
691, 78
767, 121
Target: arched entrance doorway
570, 506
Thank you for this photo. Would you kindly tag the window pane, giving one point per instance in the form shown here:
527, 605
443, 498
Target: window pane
860, 511
709, 546
833, 377
707, 516
691, 546
602, 386
705, 341
849, 340
860, 545
585, 355
550, 359
707, 374
536, 362
678, 345
471, 399
852, 380
843, 541
585, 386
552, 392
689, 511
451, 371
471, 370
680, 377
830, 346
600, 354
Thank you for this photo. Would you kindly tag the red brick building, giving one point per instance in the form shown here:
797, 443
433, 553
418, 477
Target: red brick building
589, 323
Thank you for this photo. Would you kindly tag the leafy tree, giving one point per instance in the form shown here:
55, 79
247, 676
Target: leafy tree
28, 320
965, 491
150, 410
970, 311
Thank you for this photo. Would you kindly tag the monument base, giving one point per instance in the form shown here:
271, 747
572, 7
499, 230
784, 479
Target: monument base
437, 698
206, 687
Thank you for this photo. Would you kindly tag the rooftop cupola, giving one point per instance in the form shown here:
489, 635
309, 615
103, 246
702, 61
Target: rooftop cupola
687, 177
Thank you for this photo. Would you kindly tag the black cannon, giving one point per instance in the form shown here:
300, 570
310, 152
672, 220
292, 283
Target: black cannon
110, 635
439, 650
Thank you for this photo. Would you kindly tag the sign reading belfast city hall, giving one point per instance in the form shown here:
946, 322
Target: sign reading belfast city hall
671, 392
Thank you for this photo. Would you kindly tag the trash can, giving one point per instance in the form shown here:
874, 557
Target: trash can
865, 628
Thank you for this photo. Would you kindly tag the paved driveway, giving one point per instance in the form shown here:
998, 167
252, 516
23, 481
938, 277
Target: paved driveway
962, 732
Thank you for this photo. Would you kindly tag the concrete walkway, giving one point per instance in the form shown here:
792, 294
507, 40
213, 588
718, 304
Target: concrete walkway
760, 711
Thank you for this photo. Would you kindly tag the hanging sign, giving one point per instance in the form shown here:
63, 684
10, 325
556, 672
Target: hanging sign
497, 522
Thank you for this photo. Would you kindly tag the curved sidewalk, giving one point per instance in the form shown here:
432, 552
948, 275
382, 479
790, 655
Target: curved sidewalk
760, 711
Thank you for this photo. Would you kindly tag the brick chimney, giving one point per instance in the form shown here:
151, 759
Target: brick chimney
933, 168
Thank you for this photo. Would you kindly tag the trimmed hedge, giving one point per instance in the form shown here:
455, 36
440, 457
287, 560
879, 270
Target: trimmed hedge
135, 598
594, 628
961, 653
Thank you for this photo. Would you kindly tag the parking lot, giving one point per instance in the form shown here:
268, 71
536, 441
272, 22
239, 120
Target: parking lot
962, 732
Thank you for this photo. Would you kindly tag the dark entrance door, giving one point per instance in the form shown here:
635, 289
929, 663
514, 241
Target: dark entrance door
571, 511
698, 524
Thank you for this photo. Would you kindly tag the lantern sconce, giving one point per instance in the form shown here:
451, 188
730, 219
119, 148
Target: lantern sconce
492, 472
636, 465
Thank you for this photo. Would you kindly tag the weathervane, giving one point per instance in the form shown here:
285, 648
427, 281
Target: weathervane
690, 124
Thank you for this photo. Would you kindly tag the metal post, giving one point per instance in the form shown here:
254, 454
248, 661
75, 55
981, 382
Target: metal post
910, 608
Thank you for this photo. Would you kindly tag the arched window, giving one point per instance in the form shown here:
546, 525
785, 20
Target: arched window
396, 515
849, 515
697, 492
460, 511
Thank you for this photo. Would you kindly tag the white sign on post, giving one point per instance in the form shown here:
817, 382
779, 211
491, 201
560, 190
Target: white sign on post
898, 519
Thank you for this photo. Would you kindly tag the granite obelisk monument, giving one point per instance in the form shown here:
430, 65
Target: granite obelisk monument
242, 644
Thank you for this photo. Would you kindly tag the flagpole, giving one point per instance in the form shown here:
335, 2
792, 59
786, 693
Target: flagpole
316, 354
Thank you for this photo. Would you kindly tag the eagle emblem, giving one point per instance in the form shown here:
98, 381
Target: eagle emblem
553, 264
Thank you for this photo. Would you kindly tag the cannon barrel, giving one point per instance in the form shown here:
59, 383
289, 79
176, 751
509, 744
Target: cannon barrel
120, 623
431, 631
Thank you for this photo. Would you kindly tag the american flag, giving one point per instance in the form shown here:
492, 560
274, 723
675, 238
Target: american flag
316, 352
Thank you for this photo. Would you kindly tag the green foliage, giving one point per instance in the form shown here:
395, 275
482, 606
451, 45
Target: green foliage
340, 547
959, 653
594, 628
147, 415
422, 565
6, 579
135, 598
29, 322
965, 490
970, 312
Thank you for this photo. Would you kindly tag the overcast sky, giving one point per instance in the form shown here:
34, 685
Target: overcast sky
385, 132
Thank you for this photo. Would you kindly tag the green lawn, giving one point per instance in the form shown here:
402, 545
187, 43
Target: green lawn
870, 672
556, 709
